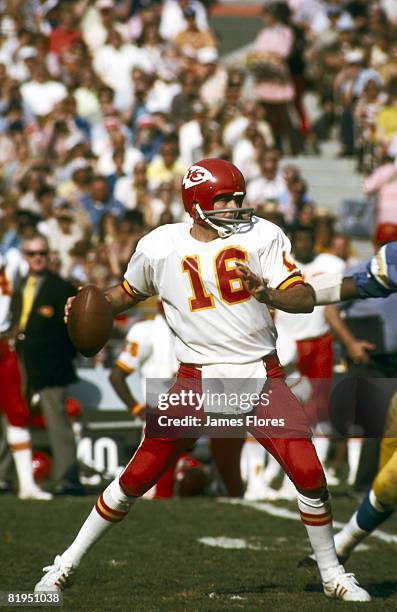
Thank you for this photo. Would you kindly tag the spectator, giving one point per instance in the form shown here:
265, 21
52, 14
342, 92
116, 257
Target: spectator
151, 49
118, 172
306, 215
130, 230
191, 135
65, 34
149, 135
97, 21
117, 141
247, 152
8, 224
190, 40
342, 248
80, 179
213, 76
113, 64
173, 20
62, 232
386, 120
30, 186
383, 184
181, 106
41, 94
324, 231
98, 202
270, 185
46, 354
273, 84
127, 187
249, 113
344, 91
86, 96
166, 207
165, 167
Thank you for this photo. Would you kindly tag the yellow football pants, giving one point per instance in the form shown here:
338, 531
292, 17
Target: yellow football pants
385, 483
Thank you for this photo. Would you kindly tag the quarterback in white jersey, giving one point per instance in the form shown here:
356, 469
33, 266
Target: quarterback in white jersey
214, 317
202, 276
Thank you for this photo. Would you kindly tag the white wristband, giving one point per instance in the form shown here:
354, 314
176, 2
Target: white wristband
327, 288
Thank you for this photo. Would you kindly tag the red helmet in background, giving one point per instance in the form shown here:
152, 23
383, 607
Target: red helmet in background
209, 180
384, 233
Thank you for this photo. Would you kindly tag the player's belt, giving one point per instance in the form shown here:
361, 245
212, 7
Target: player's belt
270, 361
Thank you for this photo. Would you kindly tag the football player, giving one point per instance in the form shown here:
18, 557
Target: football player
150, 350
12, 403
381, 501
378, 281
221, 333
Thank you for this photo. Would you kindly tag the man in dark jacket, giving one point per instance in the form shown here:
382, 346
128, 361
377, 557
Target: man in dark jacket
46, 354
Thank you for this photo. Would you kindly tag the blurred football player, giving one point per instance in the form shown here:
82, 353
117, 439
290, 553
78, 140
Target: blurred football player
222, 334
381, 501
12, 403
150, 350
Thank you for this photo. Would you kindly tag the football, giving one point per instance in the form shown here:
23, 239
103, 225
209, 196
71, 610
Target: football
90, 321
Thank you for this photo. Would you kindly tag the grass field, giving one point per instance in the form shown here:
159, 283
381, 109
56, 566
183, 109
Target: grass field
154, 560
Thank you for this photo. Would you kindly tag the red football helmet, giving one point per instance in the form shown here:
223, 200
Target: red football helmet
207, 181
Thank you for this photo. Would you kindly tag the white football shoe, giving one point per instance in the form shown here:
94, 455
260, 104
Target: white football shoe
35, 493
287, 491
56, 577
345, 586
257, 492
331, 477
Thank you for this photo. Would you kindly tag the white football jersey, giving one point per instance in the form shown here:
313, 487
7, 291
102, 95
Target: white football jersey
215, 320
310, 325
12, 266
149, 348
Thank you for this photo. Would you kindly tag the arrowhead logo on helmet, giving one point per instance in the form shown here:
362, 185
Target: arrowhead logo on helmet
195, 176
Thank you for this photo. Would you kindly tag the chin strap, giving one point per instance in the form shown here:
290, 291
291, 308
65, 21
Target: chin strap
222, 231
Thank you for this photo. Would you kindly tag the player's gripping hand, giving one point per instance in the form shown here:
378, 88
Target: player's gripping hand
252, 283
68, 307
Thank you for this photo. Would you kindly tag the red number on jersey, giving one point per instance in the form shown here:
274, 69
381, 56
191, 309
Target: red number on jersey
231, 289
288, 264
230, 286
201, 299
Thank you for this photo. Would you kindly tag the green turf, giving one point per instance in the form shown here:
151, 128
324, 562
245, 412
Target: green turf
153, 560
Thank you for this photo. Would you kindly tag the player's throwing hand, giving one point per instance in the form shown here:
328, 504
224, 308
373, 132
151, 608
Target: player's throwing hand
253, 283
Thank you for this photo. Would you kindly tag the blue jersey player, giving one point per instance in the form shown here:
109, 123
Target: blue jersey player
379, 279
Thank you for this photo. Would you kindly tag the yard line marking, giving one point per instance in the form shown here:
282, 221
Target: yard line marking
280, 512
230, 543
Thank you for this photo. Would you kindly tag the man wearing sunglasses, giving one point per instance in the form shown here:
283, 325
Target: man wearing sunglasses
46, 354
